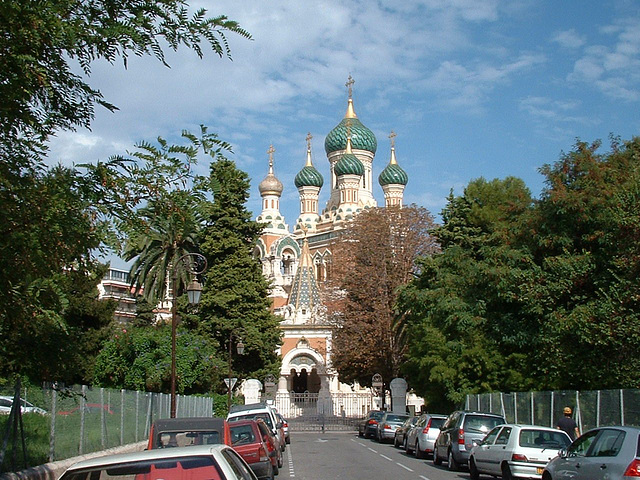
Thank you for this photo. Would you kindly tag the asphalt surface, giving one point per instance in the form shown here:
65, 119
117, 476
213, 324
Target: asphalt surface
318, 456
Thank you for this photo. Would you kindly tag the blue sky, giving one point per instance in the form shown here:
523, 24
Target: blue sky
471, 87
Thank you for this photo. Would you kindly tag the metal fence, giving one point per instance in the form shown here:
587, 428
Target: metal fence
590, 409
82, 419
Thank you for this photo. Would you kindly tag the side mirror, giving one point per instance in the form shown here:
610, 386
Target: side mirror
280, 425
562, 453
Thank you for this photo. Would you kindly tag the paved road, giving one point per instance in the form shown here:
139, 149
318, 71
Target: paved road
345, 456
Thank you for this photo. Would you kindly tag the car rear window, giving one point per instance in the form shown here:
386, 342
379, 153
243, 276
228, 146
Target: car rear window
194, 468
264, 416
242, 434
187, 439
481, 423
543, 439
436, 422
377, 415
396, 418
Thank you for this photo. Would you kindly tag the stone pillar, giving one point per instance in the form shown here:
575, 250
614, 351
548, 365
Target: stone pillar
324, 405
251, 390
282, 384
398, 395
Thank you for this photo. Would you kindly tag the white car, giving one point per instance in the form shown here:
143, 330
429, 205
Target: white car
213, 462
516, 451
260, 410
6, 403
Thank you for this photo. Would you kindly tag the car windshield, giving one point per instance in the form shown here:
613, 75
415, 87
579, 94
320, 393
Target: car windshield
194, 468
481, 423
543, 439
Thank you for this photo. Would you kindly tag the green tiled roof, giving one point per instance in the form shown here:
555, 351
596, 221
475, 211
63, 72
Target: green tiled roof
393, 175
361, 137
309, 177
349, 164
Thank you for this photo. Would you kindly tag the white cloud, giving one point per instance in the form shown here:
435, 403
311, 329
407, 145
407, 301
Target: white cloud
613, 69
569, 39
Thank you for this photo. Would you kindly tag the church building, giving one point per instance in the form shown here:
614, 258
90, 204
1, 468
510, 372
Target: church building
297, 262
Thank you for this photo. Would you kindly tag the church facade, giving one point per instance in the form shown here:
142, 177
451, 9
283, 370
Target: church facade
297, 261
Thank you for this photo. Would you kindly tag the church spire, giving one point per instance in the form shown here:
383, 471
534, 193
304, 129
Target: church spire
351, 113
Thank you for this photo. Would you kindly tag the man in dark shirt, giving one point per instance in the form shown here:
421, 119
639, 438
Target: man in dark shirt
568, 424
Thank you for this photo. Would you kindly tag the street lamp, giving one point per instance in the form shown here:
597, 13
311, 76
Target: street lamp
194, 290
240, 350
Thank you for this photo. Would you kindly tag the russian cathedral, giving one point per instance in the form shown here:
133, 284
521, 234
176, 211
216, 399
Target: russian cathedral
297, 262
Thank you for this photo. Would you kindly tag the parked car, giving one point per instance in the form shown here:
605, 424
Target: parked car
421, 438
400, 436
601, 453
457, 434
247, 439
211, 462
260, 410
185, 432
272, 444
368, 426
516, 451
6, 402
387, 426
285, 427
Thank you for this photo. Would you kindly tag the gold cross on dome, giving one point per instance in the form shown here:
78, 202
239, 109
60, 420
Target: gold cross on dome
349, 85
271, 151
393, 136
309, 137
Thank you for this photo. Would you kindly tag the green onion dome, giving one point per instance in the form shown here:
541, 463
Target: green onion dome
349, 164
361, 137
393, 174
309, 176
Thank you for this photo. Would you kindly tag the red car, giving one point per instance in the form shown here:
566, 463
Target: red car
184, 432
250, 442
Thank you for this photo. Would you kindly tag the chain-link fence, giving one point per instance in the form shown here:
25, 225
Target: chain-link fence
81, 419
590, 409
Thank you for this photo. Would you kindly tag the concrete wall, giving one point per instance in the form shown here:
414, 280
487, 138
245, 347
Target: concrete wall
53, 470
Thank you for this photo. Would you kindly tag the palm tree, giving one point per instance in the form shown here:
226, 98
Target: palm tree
167, 230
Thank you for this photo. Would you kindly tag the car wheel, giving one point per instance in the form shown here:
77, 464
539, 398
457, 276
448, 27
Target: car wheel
473, 470
405, 445
506, 472
396, 444
276, 470
436, 458
419, 453
288, 441
280, 461
272, 475
360, 434
451, 462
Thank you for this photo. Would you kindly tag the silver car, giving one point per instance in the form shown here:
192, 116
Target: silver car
516, 451
387, 426
601, 453
422, 437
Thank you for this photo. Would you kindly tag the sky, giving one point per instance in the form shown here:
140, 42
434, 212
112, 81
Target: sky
472, 88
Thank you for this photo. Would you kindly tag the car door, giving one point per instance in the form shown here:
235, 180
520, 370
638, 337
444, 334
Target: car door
482, 451
569, 466
600, 461
498, 451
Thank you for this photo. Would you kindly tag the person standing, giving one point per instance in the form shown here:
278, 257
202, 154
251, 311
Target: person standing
568, 424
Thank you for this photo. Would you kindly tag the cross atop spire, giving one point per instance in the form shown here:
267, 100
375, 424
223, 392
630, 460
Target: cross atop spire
309, 137
393, 136
271, 151
349, 85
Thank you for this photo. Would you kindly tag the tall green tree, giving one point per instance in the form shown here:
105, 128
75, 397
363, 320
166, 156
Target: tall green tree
235, 300
372, 257
584, 239
455, 305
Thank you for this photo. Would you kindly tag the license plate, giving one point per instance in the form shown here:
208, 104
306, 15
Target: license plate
539, 470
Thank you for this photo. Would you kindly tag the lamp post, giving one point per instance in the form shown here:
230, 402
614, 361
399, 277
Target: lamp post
194, 290
240, 350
